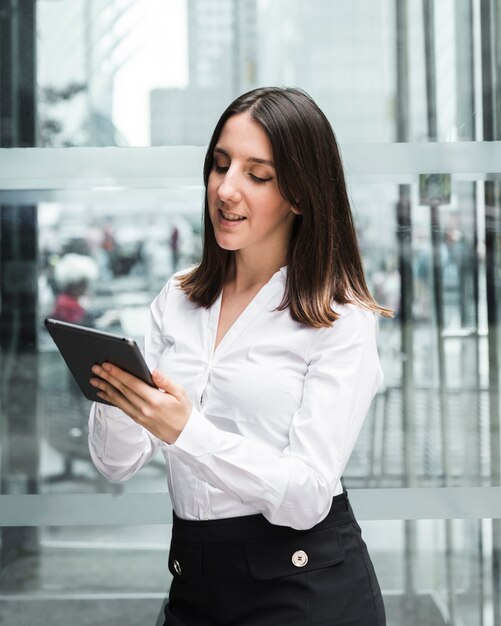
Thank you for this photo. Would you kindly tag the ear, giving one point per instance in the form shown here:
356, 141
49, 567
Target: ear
295, 208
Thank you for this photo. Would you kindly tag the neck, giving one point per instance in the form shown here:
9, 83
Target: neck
247, 273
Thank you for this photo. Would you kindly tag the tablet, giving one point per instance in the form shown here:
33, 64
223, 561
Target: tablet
83, 347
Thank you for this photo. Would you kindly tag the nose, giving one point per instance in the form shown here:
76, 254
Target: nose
228, 190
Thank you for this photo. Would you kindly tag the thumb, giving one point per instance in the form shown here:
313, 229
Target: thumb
164, 383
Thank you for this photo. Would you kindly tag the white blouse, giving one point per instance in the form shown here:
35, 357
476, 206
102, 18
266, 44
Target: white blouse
277, 408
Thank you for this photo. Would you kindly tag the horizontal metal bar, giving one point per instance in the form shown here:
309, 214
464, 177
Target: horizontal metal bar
115, 169
135, 509
427, 503
43, 596
470, 158
100, 169
154, 508
173, 200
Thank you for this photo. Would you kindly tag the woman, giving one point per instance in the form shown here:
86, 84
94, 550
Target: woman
266, 365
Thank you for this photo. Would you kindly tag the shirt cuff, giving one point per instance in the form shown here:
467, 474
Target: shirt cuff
127, 437
198, 438
97, 429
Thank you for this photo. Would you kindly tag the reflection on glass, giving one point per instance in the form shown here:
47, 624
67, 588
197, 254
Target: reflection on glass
115, 73
388, 454
99, 63
101, 271
100, 575
419, 589
119, 574
152, 72
121, 260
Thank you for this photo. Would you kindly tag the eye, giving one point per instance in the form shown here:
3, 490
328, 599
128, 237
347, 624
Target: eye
220, 169
258, 180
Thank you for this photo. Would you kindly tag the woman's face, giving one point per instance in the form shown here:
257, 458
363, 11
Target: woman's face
246, 209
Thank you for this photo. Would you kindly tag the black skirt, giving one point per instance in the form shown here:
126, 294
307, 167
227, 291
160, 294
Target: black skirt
245, 571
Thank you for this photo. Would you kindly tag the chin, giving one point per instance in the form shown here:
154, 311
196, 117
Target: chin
226, 245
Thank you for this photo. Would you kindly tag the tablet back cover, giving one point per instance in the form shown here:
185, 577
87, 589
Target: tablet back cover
83, 347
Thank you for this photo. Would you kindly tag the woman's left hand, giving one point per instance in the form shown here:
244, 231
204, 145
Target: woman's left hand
163, 411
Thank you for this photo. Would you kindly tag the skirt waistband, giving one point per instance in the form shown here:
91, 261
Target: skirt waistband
253, 527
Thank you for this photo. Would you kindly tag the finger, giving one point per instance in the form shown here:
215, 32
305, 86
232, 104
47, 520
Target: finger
121, 402
110, 394
118, 394
121, 380
166, 384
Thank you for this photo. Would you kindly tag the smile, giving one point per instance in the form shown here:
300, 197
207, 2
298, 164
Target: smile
230, 217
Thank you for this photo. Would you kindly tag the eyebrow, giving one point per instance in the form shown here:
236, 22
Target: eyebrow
250, 159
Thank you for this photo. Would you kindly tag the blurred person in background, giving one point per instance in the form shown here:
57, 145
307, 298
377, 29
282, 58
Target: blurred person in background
73, 275
265, 359
386, 284
174, 246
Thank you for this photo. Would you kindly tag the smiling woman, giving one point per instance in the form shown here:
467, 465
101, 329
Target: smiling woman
247, 211
305, 166
266, 364
94, 73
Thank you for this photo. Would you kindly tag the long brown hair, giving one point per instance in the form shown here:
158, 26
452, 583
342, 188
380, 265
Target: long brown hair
324, 264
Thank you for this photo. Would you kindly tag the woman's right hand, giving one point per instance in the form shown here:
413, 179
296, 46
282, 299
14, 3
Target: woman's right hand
163, 411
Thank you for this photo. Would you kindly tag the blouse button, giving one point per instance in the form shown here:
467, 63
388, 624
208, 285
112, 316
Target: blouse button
299, 558
177, 567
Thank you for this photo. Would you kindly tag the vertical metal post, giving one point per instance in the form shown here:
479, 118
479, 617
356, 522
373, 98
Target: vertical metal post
436, 240
404, 239
491, 72
465, 47
18, 287
492, 261
88, 11
430, 65
236, 79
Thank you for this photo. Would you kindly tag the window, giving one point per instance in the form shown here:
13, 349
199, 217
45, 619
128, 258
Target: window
105, 109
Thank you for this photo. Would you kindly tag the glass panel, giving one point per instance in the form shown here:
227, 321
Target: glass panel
101, 266
101, 64
93, 575
420, 429
429, 572
135, 73
149, 72
101, 260
434, 571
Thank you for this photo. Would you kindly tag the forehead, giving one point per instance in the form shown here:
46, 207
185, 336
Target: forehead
241, 136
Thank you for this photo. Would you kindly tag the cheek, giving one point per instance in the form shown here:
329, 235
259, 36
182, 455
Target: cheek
278, 211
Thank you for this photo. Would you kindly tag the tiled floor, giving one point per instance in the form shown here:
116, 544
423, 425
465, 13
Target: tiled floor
89, 612
147, 612
65, 586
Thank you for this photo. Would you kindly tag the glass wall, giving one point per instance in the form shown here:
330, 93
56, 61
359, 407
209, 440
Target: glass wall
105, 109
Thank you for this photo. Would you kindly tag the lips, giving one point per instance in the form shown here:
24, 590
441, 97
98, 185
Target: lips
231, 218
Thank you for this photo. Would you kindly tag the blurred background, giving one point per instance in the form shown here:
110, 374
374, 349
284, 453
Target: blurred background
106, 107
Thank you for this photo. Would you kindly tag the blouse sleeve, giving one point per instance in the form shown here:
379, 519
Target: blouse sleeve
119, 447
295, 487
